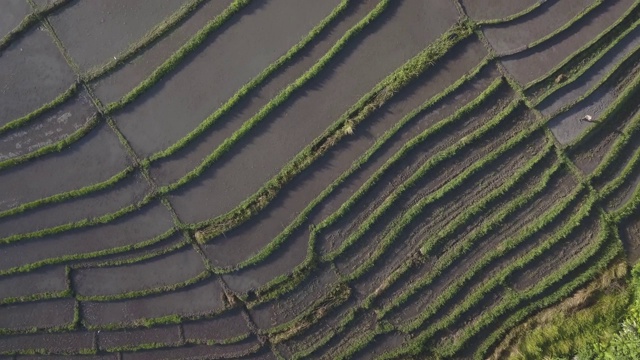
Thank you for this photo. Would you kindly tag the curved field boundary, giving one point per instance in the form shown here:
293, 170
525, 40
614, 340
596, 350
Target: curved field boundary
498, 192
255, 82
177, 57
381, 93
418, 345
511, 17
574, 61
628, 209
609, 255
158, 31
90, 255
584, 66
55, 147
60, 99
28, 22
515, 299
618, 105
363, 159
566, 26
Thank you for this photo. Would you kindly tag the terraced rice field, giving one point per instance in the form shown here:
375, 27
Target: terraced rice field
336, 179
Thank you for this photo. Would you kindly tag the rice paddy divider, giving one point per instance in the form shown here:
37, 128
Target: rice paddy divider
128, 261
176, 58
382, 92
53, 148
566, 26
69, 195
483, 231
158, 31
418, 345
399, 225
254, 83
71, 325
588, 50
285, 283
362, 160
610, 253
611, 112
514, 299
585, 65
60, 99
89, 255
511, 17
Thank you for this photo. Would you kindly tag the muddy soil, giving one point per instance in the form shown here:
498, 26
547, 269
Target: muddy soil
45, 280
244, 170
531, 64
128, 191
537, 24
231, 351
135, 337
161, 271
494, 9
32, 73
13, 11
219, 328
630, 236
197, 300
303, 189
250, 42
95, 158
48, 128
94, 32
73, 342
148, 222
116, 84
40, 314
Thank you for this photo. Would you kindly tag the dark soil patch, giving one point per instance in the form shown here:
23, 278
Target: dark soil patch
41, 314
161, 271
137, 337
219, 328
145, 224
32, 73
531, 64
303, 189
494, 9
630, 236
52, 343
53, 126
249, 43
126, 192
197, 300
231, 351
115, 85
96, 31
537, 24
46, 280
13, 11
243, 171
93, 159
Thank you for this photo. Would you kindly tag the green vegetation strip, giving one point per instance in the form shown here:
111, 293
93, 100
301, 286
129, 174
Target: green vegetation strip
407, 186
584, 66
609, 254
55, 147
128, 261
285, 283
511, 17
172, 62
486, 229
146, 292
255, 82
420, 342
86, 222
89, 255
69, 195
515, 299
566, 26
28, 22
622, 102
365, 106
363, 159
158, 31
581, 57
60, 99
71, 325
